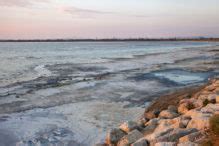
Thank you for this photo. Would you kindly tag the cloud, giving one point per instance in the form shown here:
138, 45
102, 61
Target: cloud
79, 12
19, 3
89, 13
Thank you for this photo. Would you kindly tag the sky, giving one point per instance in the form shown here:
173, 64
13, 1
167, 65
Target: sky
54, 19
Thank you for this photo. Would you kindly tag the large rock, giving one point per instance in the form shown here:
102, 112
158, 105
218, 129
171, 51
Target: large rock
132, 137
210, 109
200, 123
183, 108
167, 114
217, 98
150, 126
172, 108
128, 126
187, 144
174, 135
151, 115
200, 120
165, 144
192, 137
141, 142
114, 135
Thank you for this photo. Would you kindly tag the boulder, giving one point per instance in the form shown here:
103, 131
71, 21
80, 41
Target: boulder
141, 142
210, 88
200, 123
212, 97
150, 126
165, 144
151, 115
141, 122
192, 137
172, 108
128, 126
183, 108
184, 121
132, 137
114, 135
167, 114
174, 135
217, 98
210, 109
187, 144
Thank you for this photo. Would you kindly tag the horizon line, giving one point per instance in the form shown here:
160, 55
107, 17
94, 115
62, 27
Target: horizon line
114, 39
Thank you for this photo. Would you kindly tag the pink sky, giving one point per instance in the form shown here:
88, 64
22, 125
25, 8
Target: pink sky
37, 19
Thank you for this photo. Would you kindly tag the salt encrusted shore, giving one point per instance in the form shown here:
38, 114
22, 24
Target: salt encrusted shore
180, 119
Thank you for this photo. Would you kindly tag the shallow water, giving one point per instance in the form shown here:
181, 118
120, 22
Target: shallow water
73, 93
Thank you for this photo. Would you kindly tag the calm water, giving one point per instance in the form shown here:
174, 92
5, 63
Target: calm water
73, 93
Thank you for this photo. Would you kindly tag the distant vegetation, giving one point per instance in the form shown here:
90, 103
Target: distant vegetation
112, 40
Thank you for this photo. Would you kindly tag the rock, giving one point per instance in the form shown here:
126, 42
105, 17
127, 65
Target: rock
167, 114
114, 135
199, 122
211, 109
165, 144
210, 88
141, 122
172, 108
184, 122
191, 137
141, 142
212, 97
132, 137
152, 115
101, 144
187, 144
217, 99
150, 126
176, 134
183, 108
128, 126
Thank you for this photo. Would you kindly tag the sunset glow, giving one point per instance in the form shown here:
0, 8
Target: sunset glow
24, 19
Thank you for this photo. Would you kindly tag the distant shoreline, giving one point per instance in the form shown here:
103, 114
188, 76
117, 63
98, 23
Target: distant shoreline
112, 40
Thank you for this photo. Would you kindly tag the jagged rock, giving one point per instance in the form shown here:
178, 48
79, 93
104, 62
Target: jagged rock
165, 144
212, 97
200, 123
150, 126
187, 144
132, 137
172, 108
141, 122
211, 108
183, 108
114, 135
152, 115
217, 99
102, 144
141, 142
167, 114
210, 88
176, 134
191, 137
128, 126
184, 121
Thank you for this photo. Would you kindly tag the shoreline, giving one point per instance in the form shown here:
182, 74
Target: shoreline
164, 117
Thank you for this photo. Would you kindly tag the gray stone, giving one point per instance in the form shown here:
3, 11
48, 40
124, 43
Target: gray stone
192, 137
165, 144
187, 144
174, 135
141, 142
114, 135
167, 114
128, 126
132, 137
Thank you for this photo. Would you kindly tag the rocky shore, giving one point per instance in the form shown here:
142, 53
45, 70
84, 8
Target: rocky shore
189, 118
